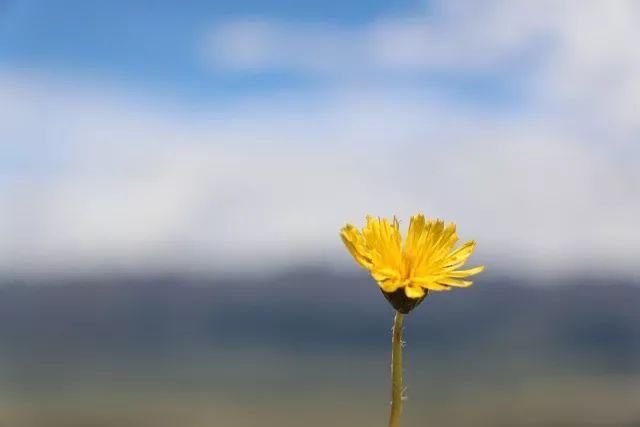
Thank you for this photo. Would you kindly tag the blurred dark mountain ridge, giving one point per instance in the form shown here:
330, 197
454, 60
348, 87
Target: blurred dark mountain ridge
314, 309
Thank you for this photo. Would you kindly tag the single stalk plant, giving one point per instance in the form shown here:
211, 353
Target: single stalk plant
427, 260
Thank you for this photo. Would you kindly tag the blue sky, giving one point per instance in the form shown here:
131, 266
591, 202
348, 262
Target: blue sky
154, 48
147, 135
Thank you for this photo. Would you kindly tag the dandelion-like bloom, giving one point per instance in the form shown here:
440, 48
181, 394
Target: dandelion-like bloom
427, 261
405, 272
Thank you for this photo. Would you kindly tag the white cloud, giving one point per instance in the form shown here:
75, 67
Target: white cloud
97, 180
131, 186
256, 45
462, 35
577, 58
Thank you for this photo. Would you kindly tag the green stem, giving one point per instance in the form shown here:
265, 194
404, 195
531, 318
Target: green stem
396, 371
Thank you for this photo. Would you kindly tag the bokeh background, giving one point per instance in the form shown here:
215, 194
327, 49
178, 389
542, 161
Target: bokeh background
173, 176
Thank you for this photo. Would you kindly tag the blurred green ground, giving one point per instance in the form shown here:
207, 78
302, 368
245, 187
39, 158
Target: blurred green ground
536, 406
313, 350
260, 387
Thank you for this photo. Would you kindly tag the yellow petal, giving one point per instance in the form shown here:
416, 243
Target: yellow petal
426, 260
433, 286
384, 241
414, 291
416, 228
355, 243
466, 273
381, 274
455, 282
458, 257
464, 250
389, 285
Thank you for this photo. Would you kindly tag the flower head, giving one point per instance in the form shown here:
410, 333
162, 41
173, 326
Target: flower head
406, 271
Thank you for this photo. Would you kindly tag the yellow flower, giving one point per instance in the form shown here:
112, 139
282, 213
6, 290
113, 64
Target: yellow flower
427, 261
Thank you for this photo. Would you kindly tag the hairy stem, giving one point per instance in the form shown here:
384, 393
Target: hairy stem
396, 371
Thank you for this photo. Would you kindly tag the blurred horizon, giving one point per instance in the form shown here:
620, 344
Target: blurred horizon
251, 278
312, 347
